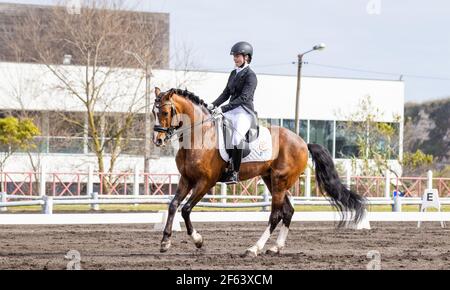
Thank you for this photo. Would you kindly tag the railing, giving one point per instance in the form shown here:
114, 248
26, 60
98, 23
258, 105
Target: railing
239, 201
137, 183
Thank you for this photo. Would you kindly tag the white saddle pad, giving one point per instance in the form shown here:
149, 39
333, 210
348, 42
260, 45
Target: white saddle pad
260, 149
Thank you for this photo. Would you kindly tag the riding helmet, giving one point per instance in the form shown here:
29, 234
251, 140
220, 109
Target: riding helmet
244, 48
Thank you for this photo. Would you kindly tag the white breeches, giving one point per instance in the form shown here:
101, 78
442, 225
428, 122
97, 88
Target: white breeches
241, 124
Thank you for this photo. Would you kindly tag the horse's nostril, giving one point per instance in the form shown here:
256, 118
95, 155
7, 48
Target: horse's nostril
159, 142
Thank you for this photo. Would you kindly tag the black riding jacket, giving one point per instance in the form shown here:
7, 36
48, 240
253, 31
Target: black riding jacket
240, 88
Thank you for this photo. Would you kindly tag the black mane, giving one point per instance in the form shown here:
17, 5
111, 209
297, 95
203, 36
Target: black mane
190, 96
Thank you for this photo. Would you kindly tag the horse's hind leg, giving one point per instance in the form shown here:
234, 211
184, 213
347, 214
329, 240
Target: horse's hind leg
275, 217
182, 191
198, 192
287, 212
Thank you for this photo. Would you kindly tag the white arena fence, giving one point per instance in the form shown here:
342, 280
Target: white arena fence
49, 189
137, 183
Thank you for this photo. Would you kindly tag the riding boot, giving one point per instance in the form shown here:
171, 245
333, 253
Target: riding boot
236, 157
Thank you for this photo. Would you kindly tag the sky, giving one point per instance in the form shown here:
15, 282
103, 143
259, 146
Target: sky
375, 39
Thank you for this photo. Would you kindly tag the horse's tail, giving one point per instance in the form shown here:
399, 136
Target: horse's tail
328, 182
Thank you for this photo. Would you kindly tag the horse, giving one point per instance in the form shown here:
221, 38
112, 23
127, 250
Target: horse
200, 165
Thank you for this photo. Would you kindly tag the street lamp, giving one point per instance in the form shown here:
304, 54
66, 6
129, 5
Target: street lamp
320, 46
148, 139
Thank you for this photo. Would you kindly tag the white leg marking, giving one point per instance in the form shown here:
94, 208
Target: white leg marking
281, 240
257, 248
196, 237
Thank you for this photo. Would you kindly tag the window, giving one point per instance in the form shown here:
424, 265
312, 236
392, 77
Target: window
66, 145
290, 124
384, 137
321, 132
269, 122
66, 124
304, 129
380, 137
65, 132
346, 141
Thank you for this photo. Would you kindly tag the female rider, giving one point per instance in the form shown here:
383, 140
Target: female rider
240, 89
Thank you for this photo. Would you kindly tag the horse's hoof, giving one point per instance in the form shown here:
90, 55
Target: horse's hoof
197, 239
251, 252
199, 244
274, 251
164, 246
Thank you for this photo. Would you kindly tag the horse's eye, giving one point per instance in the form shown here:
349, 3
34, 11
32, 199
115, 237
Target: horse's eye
165, 114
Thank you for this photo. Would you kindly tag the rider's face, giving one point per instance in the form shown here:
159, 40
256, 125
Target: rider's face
238, 59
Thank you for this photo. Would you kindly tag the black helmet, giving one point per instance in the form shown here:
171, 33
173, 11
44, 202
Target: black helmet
244, 48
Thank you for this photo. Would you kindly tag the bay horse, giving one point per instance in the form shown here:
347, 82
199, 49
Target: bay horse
200, 165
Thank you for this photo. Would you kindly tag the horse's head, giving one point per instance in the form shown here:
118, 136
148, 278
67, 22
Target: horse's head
165, 113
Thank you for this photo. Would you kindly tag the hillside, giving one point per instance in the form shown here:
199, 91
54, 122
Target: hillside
427, 127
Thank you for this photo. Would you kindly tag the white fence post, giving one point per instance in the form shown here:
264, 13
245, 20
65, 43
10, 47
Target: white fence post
90, 180
387, 184
42, 181
3, 199
430, 179
136, 183
48, 204
308, 182
266, 197
348, 177
223, 191
397, 203
94, 197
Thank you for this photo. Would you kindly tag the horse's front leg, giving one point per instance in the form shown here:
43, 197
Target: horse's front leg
182, 191
199, 190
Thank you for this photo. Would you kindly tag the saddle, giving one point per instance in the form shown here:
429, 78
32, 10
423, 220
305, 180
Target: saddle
251, 135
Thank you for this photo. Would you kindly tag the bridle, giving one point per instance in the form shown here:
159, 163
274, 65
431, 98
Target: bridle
173, 130
170, 131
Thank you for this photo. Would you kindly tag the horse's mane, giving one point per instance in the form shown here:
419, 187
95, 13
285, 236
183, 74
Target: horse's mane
190, 96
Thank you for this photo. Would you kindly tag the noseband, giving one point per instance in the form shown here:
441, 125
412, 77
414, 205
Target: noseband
173, 130
170, 131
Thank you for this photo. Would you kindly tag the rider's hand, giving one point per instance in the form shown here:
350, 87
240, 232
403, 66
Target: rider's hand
210, 107
217, 111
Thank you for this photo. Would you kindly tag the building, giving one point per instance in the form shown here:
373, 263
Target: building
28, 88
325, 106
13, 15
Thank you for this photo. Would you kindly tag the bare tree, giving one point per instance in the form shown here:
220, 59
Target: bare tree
104, 82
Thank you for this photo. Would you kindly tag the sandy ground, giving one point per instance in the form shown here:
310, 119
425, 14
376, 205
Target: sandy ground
309, 246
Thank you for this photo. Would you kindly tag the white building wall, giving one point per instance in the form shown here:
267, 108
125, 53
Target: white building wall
33, 87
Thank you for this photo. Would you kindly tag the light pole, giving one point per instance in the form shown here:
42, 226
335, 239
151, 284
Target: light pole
320, 46
148, 139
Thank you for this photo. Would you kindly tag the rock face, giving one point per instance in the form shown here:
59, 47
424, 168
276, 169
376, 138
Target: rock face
427, 127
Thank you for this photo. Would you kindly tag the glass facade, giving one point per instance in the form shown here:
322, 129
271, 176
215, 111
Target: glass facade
346, 141
379, 137
321, 132
65, 133
290, 124
384, 137
66, 145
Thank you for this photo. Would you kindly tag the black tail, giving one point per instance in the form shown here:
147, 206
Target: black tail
328, 181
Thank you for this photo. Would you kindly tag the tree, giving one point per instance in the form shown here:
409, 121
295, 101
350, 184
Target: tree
377, 142
110, 95
416, 161
15, 134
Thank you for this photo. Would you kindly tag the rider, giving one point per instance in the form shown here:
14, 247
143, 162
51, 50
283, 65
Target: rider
240, 88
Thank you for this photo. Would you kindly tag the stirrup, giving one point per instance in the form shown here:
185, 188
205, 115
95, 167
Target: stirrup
233, 178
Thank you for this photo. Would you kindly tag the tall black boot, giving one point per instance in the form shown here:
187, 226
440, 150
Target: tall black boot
236, 157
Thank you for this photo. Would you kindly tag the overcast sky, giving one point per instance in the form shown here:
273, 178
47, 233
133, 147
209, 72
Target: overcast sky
408, 37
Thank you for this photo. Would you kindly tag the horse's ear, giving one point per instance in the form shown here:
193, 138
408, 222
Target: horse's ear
157, 91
